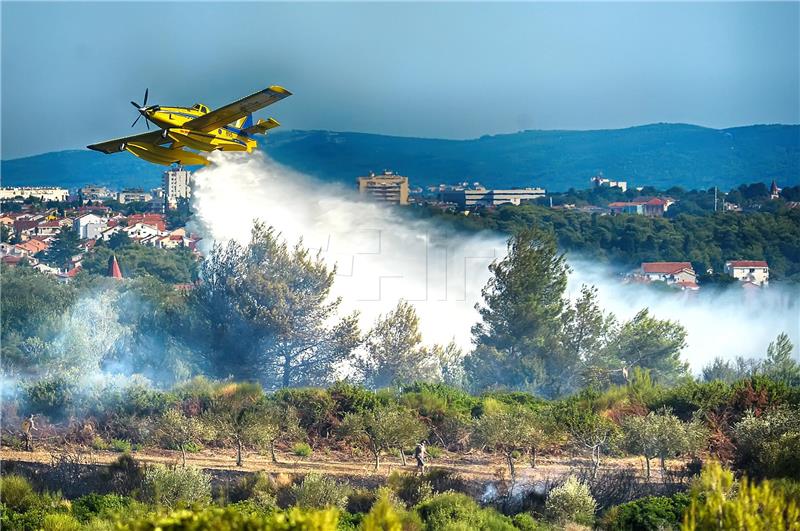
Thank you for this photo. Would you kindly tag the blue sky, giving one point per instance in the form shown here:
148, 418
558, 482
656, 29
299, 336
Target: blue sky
452, 70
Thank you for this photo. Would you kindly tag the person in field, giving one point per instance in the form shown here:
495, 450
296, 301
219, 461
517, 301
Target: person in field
420, 454
28, 427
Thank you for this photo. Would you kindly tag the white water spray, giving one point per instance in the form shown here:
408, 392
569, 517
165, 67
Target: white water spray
382, 255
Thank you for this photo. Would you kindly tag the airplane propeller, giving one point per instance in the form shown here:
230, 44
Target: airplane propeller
142, 108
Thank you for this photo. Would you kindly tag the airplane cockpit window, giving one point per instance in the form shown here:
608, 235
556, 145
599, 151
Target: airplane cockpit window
200, 107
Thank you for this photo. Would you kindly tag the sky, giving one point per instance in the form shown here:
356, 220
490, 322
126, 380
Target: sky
447, 70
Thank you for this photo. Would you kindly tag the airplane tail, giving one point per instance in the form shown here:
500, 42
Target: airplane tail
244, 123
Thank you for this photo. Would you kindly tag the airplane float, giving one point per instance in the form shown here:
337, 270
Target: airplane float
229, 128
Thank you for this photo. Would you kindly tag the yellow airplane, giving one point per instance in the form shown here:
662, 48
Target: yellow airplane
229, 128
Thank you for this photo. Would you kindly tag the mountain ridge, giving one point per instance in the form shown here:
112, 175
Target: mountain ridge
660, 155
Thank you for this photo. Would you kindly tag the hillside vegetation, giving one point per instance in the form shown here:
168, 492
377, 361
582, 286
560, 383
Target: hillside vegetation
659, 155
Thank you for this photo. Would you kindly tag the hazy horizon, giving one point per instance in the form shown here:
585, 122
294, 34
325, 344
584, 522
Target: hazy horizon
435, 70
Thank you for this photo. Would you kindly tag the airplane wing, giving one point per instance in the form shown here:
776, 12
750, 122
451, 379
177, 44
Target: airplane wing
238, 109
116, 145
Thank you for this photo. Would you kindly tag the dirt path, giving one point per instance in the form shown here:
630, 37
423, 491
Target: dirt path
474, 467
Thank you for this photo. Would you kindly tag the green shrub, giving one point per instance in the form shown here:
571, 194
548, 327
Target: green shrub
387, 514
231, 517
120, 445
526, 522
192, 447
302, 449
99, 444
173, 486
453, 510
319, 492
16, 493
650, 512
570, 502
434, 451
92, 505
60, 522
411, 489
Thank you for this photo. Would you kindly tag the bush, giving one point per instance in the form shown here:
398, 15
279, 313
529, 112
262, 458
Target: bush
453, 510
103, 505
16, 493
60, 522
172, 486
319, 492
99, 444
125, 475
570, 502
387, 514
717, 503
302, 449
434, 451
650, 512
120, 445
232, 518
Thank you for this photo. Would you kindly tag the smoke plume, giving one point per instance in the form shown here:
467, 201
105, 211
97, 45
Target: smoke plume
382, 255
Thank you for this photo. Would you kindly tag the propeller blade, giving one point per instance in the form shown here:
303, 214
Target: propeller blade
146, 91
147, 123
136, 120
135, 104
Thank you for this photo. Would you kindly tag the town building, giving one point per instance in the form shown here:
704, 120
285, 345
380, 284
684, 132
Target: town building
24, 192
749, 271
774, 191
479, 196
680, 273
176, 185
89, 226
387, 187
134, 195
94, 193
599, 181
643, 206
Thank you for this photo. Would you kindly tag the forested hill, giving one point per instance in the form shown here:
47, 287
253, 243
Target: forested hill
659, 155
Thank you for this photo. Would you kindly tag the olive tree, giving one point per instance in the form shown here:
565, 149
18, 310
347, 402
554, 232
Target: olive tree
237, 414
509, 430
179, 431
383, 428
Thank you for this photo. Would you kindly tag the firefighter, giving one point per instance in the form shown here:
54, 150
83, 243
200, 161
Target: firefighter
420, 454
28, 427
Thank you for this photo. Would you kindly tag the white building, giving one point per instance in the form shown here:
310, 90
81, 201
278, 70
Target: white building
470, 197
752, 271
680, 273
602, 181
134, 196
89, 226
45, 194
176, 184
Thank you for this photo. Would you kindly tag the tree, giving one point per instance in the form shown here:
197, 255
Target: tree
653, 344
383, 428
271, 305
510, 430
280, 423
119, 239
178, 430
395, 355
661, 435
586, 427
584, 341
521, 315
779, 364
237, 414
63, 249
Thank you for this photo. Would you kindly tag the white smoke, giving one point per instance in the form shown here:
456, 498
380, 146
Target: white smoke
382, 255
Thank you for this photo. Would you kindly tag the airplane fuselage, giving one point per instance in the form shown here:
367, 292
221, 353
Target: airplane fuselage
171, 119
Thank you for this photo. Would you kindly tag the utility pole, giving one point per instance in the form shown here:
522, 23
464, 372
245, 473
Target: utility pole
715, 199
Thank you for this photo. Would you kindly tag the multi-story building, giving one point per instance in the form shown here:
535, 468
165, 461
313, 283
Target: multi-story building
176, 184
471, 197
679, 273
653, 206
89, 226
602, 181
45, 194
94, 193
134, 195
752, 271
387, 187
